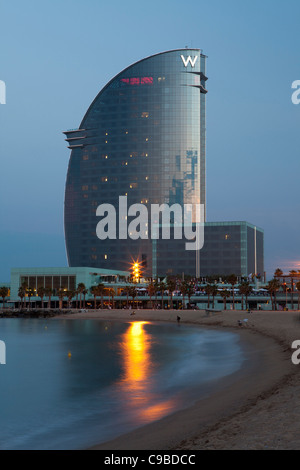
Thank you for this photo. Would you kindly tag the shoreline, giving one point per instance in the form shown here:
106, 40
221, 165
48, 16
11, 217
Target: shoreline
252, 409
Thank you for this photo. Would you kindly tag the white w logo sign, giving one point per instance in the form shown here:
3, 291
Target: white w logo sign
189, 59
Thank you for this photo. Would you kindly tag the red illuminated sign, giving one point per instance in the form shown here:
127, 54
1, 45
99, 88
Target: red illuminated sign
138, 80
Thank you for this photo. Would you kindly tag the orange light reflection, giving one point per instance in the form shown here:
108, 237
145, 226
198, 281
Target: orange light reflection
137, 384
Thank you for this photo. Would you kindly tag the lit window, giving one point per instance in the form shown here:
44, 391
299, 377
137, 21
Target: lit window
147, 139
105, 256
227, 237
145, 114
85, 188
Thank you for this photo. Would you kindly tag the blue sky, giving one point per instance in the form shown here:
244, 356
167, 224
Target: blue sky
57, 55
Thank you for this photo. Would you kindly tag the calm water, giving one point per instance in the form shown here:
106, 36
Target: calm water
119, 376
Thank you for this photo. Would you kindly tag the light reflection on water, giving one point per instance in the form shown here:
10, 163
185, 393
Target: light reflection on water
137, 383
119, 376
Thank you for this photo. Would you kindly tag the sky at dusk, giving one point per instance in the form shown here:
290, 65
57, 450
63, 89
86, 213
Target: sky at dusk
57, 55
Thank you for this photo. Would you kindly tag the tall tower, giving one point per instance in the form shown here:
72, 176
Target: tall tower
142, 137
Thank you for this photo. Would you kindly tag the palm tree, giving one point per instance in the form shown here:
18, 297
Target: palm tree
278, 273
4, 293
225, 294
101, 290
190, 290
184, 290
208, 290
247, 292
76, 292
81, 288
111, 292
132, 293
41, 292
95, 291
61, 294
244, 290
24, 286
84, 293
21, 294
49, 292
162, 287
30, 293
70, 294
286, 290
151, 291
298, 289
272, 287
156, 287
232, 279
171, 285
214, 292
293, 274
127, 290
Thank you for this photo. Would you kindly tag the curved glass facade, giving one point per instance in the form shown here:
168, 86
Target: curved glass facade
144, 137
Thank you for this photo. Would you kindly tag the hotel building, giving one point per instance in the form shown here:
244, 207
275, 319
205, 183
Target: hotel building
144, 137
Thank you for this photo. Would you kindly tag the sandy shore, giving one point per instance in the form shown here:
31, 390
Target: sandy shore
256, 408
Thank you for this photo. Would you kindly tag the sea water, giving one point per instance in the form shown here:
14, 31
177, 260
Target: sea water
71, 384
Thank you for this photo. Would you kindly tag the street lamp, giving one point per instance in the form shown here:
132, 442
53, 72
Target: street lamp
136, 271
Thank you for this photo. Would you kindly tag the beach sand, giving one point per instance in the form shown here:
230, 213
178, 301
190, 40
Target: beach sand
256, 408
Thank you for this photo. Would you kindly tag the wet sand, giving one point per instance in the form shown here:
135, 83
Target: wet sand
255, 408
